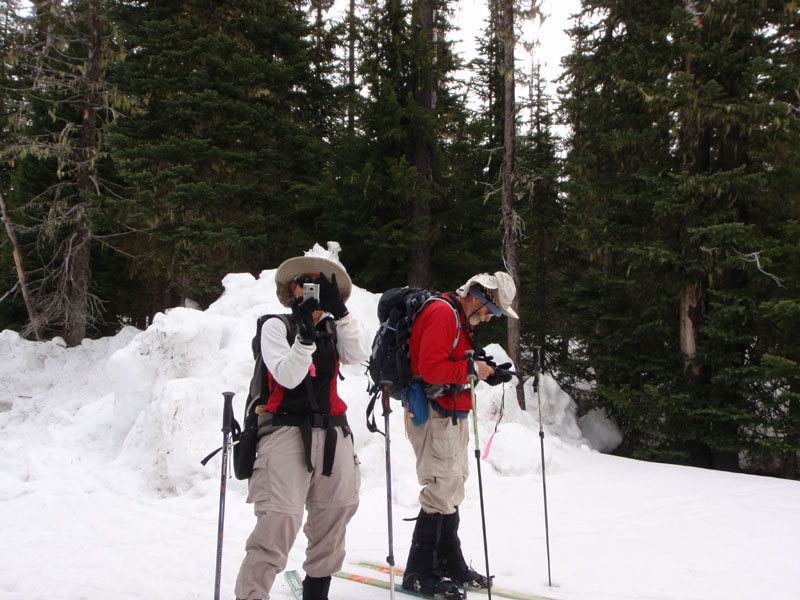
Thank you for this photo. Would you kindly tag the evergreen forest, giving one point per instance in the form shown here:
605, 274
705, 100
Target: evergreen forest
149, 147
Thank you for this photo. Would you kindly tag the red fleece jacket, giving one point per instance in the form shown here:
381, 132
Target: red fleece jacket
432, 338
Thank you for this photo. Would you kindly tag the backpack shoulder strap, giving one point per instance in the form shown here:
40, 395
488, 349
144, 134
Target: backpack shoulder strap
449, 301
288, 322
259, 386
291, 327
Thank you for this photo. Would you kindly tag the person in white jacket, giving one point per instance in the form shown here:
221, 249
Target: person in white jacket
305, 457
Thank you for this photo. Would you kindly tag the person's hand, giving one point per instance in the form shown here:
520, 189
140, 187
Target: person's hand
303, 313
502, 374
488, 359
329, 298
483, 370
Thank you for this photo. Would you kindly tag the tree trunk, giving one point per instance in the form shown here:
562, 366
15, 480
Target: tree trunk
52, 6
351, 66
511, 234
35, 325
78, 310
419, 274
691, 319
694, 160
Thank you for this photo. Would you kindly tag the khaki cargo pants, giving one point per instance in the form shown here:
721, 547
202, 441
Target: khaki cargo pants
442, 461
279, 489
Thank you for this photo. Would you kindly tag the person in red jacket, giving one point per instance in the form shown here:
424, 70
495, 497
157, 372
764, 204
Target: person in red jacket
440, 338
305, 457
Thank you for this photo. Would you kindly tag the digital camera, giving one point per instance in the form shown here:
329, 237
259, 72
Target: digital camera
310, 290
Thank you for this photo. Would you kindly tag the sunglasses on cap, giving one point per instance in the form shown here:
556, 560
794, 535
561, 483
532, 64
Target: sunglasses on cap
487, 297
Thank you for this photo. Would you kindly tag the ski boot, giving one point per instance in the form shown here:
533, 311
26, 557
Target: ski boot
433, 586
469, 579
450, 560
420, 575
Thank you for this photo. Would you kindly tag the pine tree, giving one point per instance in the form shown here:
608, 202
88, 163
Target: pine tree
227, 132
12, 308
425, 92
401, 156
63, 107
495, 83
674, 163
622, 341
732, 117
542, 257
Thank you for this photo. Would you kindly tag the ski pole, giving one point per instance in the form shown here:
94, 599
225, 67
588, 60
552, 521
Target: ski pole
387, 409
537, 357
472, 377
227, 427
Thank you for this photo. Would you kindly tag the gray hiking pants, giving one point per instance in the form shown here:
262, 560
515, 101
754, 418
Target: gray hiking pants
279, 489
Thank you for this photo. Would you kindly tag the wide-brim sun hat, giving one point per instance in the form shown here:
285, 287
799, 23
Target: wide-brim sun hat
497, 291
317, 260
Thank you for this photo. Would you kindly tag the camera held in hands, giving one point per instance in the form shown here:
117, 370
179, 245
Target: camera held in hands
310, 290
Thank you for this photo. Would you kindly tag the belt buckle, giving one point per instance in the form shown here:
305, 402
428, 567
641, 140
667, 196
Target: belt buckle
319, 421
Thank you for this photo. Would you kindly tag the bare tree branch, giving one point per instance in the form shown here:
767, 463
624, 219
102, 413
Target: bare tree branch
9, 292
755, 257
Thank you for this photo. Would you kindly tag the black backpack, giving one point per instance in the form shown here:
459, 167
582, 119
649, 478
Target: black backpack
390, 360
246, 438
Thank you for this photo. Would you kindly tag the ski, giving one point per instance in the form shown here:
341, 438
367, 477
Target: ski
496, 591
379, 583
293, 579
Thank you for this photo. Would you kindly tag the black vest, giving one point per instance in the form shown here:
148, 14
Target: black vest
313, 394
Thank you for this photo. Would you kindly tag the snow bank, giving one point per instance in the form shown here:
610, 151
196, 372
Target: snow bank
159, 391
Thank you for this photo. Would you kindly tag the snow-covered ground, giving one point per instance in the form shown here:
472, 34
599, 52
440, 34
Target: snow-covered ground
102, 494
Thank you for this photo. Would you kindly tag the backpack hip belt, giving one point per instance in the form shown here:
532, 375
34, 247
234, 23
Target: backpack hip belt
434, 390
311, 421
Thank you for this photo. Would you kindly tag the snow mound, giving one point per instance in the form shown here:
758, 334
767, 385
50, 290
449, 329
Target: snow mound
157, 394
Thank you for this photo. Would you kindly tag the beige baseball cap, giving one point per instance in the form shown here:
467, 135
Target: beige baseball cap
497, 291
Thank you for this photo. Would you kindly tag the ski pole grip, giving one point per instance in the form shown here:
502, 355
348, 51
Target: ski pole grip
471, 375
537, 358
537, 364
385, 386
227, 412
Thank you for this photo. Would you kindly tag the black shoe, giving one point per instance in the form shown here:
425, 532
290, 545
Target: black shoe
469, 579
432, 586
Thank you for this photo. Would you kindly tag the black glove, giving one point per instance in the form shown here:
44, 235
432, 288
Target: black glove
329, 298
304, 317
502, 374
480, 354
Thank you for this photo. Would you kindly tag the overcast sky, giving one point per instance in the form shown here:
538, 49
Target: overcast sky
552, 40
